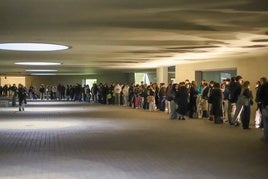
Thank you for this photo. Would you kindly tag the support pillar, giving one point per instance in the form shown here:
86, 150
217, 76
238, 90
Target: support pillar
162, 75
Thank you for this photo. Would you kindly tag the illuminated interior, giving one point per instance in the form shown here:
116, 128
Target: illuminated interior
10, 80
32, 47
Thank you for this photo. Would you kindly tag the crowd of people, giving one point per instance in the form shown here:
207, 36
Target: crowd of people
229, 101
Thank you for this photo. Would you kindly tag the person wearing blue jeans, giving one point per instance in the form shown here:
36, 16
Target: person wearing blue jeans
171, 94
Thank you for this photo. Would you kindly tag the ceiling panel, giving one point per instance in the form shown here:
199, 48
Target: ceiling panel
131, 35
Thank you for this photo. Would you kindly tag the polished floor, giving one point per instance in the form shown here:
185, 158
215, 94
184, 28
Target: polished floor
76, 140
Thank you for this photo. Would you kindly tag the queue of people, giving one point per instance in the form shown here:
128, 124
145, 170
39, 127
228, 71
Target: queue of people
230, 102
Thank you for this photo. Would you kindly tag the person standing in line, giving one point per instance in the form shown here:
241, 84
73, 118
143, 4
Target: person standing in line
262, 81
204, 100
245, 115
263, 96
192, 100
125, 95
234, 92
167, 101
201, 87
94, 92
42, 91
171, 94
162, 97
215, 99
181, 100
117, 91
225, 90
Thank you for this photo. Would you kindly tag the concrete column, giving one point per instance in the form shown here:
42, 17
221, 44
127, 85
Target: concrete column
162, 75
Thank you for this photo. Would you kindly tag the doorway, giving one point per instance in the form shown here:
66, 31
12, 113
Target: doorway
215, 75
90, 82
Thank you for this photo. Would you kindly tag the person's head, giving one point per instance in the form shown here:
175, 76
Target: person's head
263, 80
258, 83
182, 83
246, 85
227, 81
223, 85
216, 85
239, 79
194, 83
174, 86
211, 83
203, 81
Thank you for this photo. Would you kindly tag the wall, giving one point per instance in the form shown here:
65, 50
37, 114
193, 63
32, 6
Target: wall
250, 69
10, 80
108, 78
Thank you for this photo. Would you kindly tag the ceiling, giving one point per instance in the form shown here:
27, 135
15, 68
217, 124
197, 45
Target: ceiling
130, 35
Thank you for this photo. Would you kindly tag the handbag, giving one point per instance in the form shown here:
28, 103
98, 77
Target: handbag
243, 100
258, 117
109, 96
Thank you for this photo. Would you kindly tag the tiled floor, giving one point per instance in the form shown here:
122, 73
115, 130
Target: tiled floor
74, 140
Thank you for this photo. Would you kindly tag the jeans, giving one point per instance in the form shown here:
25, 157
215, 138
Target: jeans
245, 117
172, 114
225, 109
117, 99
125, 100
265, 122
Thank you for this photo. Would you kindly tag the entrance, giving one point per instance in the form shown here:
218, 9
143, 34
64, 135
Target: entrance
90, 82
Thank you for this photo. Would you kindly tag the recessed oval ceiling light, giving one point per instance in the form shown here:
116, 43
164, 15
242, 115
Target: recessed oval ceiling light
32, 47
43, 74
38, 63
41, 70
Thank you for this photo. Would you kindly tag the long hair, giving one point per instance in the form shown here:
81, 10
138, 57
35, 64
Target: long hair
245, 86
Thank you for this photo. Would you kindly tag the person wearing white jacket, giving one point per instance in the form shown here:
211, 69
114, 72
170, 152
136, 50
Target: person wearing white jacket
125, 95
117, 91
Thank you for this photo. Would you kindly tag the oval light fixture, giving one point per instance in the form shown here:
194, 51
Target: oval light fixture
43, 74
41, 70
38, 63
40, 47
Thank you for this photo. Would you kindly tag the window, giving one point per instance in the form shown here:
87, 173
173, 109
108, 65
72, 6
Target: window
139, 77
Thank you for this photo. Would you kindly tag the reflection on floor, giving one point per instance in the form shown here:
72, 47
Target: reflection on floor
76, 140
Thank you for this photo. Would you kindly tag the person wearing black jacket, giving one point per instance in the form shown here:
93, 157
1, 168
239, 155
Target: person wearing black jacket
181, 100
215, 99
245, 115
192, 101
263, 96
234, 92
204, 102
262, 81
